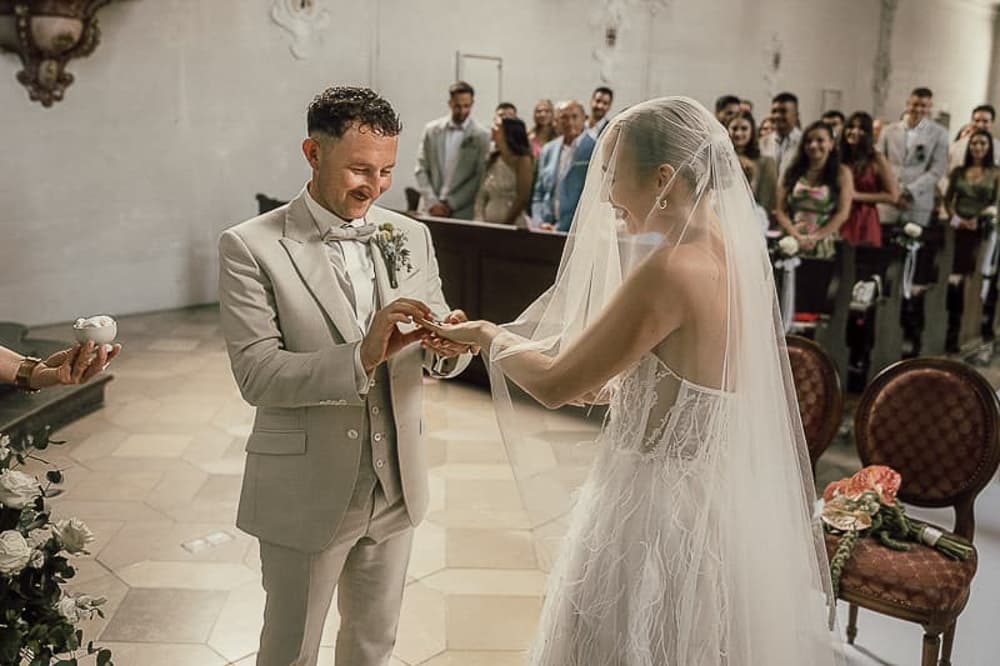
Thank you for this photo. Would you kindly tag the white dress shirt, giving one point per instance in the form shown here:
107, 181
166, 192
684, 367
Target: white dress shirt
782, 149
360, 271
454, 134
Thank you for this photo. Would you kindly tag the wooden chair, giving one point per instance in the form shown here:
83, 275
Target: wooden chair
936, 422
817, 387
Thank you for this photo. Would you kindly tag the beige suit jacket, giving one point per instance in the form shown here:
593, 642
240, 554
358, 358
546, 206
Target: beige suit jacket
291, 335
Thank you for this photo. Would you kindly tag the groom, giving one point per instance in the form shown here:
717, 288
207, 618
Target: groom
311, 301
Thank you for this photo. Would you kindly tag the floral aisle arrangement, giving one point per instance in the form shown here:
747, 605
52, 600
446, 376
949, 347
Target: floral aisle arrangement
865, 505
38, 617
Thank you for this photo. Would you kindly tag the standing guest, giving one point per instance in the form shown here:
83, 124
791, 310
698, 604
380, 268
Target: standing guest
562, 170
600, 105
452, 158
76, 365
874, 181
545, 126
835, 119
972, 189
506, 110
506, 190
983, 117
877, 125
760, 169
917, 150
726, 108
765, 129
783, 143
746, 105
814, 195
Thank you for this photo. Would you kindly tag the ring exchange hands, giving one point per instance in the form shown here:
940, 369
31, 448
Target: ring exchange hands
385, 339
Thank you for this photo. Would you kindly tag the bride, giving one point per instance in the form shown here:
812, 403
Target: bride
692, 541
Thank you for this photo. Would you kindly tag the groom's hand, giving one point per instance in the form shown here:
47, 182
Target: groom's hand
384, 339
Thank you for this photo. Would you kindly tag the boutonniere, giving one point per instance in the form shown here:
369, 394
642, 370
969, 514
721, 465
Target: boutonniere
392, 244
467, 141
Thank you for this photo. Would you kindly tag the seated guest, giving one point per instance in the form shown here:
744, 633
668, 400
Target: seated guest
545, 126
972, 189
506, 190
562, 170
506, 110
600, 105
746, 105
874, 181
835, 119
783, 143
814, 195
76, 365
452, 158
765, 129
726, 108
760, 170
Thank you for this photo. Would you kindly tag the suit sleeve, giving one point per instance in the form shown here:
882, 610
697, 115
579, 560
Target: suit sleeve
538, 191
460, 198
267, 374
423, 168
924, 184
442, 368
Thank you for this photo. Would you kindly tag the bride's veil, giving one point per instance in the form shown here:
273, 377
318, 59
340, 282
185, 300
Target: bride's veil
770, 547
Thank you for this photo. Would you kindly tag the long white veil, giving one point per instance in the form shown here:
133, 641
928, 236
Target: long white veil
757, 517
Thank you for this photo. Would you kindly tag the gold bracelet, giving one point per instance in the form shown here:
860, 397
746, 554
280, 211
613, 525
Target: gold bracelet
22, 380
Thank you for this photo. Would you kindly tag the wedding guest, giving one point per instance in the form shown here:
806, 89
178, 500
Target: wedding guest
726, 108
877, 125
600, 105
973, 188
746, 105
983, 117
562, 170
545, 126
874, 181
783, 143
506, 110
76, 365
835, 119
760, 170
814, 194
505, 193
452, 158
765, 129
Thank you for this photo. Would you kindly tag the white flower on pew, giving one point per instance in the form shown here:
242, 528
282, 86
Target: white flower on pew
74, 535
15, 553
990, 211
913, 230
17, 489
789, 246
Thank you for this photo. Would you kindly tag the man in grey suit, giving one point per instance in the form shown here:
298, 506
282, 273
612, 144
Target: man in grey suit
313, 296
452, 158
917, 150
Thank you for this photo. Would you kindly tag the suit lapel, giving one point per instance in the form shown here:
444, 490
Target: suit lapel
308, 253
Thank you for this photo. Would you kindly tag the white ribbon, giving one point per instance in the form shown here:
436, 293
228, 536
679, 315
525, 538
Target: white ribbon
787, 299
991, 257
910, 268
930, 535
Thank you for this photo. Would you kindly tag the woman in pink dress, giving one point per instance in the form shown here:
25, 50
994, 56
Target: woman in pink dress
874, 182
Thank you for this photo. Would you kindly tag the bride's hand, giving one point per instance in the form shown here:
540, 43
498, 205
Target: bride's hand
473, 333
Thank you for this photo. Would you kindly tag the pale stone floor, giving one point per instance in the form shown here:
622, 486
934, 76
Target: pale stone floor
156, 474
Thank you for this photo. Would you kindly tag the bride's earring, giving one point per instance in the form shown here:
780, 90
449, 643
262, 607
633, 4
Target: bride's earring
662, 204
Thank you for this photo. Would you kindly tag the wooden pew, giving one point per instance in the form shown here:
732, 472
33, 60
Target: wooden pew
887, 263
933, 267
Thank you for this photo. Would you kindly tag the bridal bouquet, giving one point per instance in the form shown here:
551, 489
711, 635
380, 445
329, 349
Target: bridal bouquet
866, 505
37, 617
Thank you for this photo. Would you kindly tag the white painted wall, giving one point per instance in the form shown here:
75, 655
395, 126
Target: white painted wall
111, 201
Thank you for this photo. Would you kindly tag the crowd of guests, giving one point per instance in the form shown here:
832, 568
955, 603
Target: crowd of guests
853, 178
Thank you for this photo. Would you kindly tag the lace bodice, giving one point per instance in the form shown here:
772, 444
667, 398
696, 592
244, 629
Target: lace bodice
655, 413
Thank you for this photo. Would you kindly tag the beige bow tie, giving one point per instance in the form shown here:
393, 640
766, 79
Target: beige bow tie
346, 232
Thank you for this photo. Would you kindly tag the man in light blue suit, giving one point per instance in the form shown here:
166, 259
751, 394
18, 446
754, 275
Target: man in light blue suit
562, 169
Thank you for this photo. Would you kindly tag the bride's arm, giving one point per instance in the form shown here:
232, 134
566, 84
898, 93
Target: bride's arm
632, 324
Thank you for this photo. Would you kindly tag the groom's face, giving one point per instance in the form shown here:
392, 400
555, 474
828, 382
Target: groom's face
351, 172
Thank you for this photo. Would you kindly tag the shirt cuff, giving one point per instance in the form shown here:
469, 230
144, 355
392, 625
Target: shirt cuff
363, 380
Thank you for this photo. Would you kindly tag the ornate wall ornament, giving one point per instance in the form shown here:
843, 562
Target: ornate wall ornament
46, 35
772, 70
302, 19
883, 57
611, 16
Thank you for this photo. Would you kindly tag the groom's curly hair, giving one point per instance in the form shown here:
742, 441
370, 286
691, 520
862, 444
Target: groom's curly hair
336, 109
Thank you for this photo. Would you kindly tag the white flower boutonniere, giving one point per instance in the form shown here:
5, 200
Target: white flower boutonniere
392, 244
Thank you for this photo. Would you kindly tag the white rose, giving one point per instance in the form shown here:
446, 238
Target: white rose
37, 560
37, 538
17, 489
73, 534
990, 211
789, 245
4, 447
67, 607
913, 230
15, 552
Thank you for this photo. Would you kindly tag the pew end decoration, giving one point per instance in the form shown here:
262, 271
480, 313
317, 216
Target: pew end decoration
38, 617
46, 35
865, 505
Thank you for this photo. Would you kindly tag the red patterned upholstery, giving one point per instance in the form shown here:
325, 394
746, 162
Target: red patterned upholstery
921, 579
934, 424
817, 387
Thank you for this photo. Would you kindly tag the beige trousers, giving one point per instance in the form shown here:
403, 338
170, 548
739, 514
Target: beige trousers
366, 564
